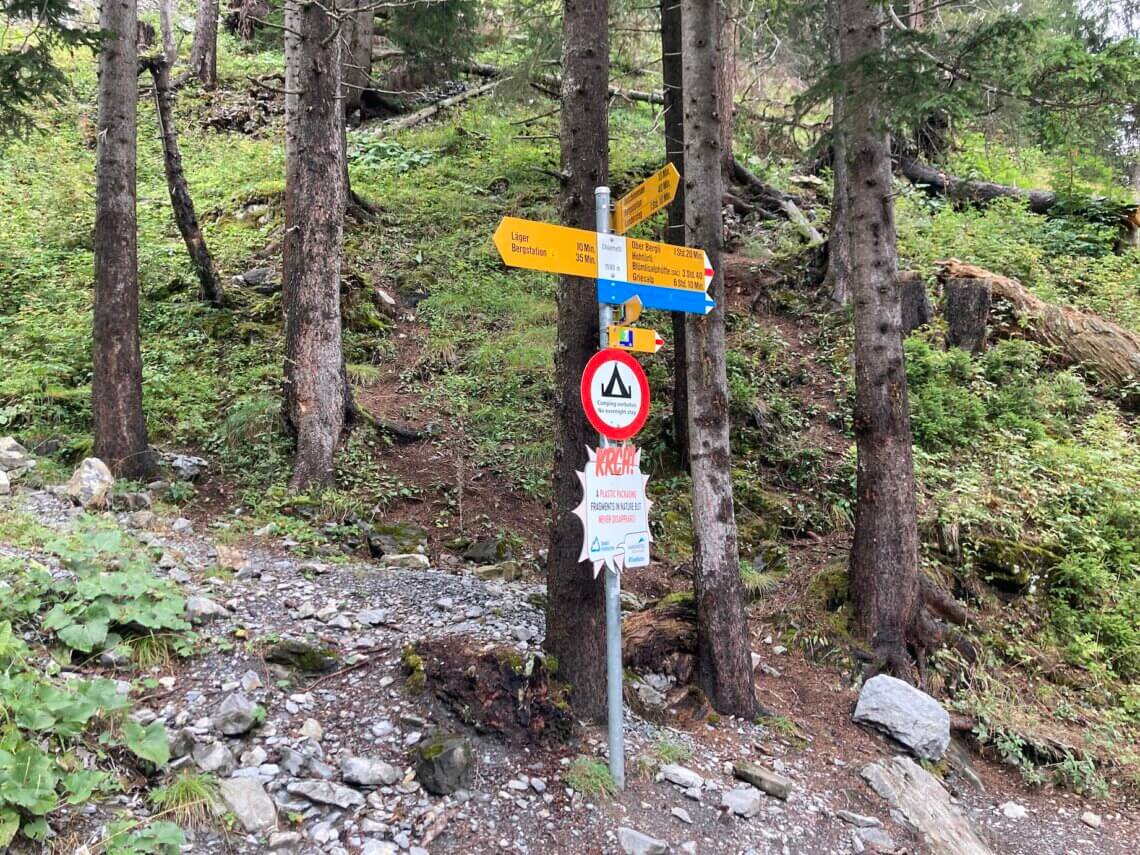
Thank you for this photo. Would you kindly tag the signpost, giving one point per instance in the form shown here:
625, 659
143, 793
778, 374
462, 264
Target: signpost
634, 274
637, 339
635, 268
646, 199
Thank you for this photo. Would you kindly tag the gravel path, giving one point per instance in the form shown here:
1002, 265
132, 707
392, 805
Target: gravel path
517, 800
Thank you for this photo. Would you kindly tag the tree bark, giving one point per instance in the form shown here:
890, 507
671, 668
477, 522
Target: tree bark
726, 86
356, 68
167, 9
967, 310
724, 659
180, 201
116, 381
575, 611
884, 556
204, 49
675, 227
837, 281
315, 396
914, 302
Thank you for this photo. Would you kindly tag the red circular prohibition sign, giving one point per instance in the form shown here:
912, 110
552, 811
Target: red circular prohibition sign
612, 354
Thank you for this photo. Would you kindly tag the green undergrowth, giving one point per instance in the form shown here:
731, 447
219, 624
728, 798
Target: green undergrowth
65, 741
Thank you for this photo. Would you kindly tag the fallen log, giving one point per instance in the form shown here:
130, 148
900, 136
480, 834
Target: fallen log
554, 83
1109, 351
939, 183
770, 197
421, 116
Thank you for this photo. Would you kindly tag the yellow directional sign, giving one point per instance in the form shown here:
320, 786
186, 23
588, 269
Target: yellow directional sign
637, 339
577, 252
666, 265
631, 310
646, 199
547, 247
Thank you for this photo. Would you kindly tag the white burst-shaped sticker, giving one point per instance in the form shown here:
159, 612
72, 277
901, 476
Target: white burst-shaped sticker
614, 509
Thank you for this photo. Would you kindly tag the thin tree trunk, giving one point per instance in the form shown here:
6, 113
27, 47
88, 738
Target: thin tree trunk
724, 660
884, 556
167, 9
315, 399
838, 278
675, 228
204, 50
726, 86
356, 69
180, 200
116, 382
575, 610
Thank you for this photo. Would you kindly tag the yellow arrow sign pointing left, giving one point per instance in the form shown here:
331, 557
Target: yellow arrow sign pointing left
547, 247
637, 339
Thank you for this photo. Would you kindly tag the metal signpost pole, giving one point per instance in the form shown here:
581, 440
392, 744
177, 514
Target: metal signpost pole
616, 738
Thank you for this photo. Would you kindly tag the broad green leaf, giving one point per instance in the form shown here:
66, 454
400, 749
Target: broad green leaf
9, 825
27, 779
150, 742
80, 785
84, 637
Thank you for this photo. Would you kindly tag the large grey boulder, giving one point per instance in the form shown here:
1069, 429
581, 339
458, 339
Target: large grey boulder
247, 798
327, 793
202, 609
906, 714
742, 801
922, 804
368, 772
443, 764
677, 774
90, 484
14, 458
634, 842
235, 715
214, 758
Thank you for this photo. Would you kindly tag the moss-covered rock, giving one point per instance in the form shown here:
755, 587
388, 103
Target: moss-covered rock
302, 656
444, 763
1010, 565
396, 539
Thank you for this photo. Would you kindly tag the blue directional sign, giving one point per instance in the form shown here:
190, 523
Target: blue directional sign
655, 297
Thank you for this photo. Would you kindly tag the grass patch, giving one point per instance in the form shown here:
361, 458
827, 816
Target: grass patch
189, 799
591, 778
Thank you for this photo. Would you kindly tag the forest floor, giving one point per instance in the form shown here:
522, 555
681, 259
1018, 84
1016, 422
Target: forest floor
518, 799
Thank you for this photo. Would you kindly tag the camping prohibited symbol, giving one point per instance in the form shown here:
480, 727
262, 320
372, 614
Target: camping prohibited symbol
615, 394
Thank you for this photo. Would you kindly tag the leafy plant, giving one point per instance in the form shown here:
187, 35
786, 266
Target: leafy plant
44, 722
113, 594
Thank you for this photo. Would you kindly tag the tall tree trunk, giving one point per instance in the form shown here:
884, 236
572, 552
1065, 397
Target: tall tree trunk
167, 9
116, 381
314, 221
724, 660
180, 200
838, 278
204, 50
884, 556
575, 610
726, 86
356, 68
675, 229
